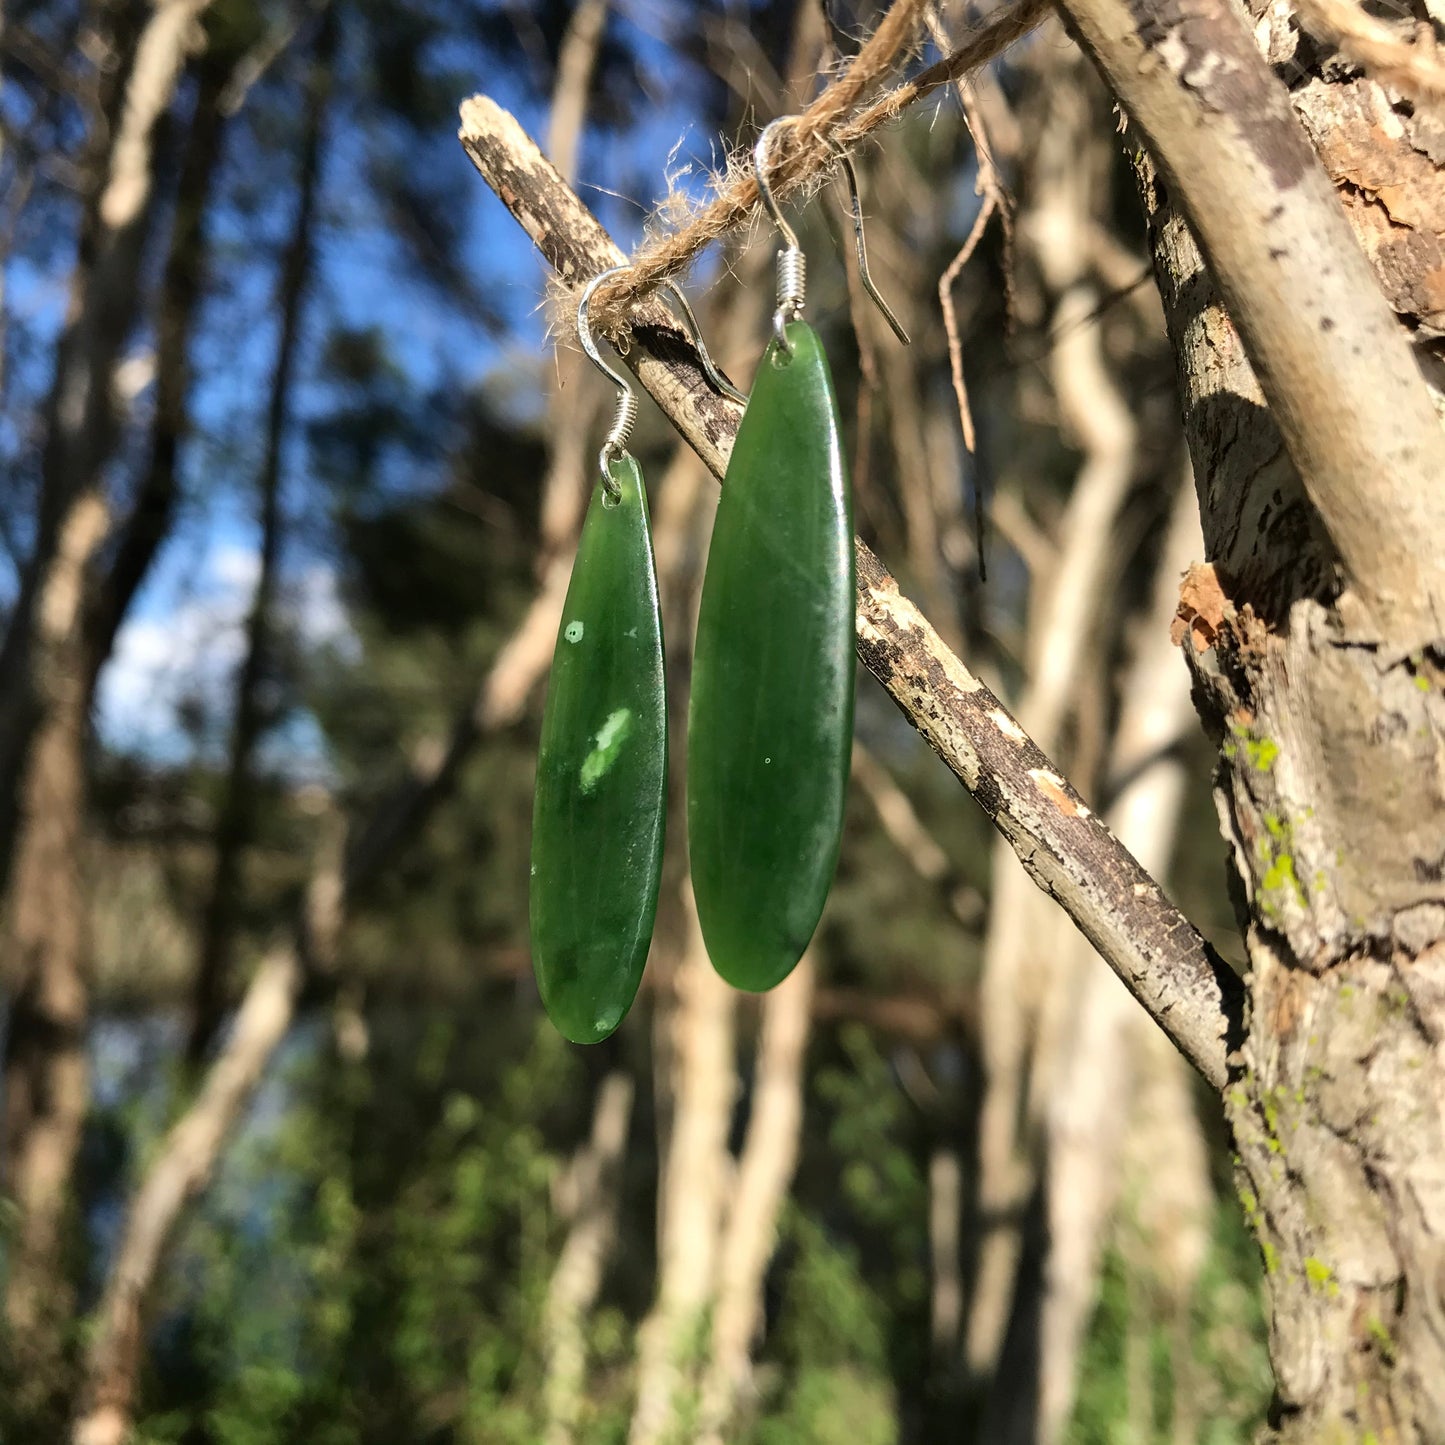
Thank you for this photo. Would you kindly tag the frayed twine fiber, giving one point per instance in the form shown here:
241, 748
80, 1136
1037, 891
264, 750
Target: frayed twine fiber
806, 148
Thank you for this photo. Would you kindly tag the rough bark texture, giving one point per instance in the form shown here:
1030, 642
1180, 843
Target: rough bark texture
1065, 848
1336, 369
1329, 790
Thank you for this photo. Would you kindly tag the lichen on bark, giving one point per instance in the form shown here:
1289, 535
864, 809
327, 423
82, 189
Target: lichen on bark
1330, 789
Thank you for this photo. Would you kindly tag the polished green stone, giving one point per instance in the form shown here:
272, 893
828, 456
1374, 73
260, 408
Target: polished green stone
770, 729
597, 822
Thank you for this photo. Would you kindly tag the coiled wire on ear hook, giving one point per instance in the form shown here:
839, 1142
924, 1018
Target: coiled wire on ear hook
624, 416
792, 264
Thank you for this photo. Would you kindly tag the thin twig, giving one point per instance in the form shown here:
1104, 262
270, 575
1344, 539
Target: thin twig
986, 184
989, 185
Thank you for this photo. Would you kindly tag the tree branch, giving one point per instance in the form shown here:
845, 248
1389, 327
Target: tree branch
1334, 366
1159, 955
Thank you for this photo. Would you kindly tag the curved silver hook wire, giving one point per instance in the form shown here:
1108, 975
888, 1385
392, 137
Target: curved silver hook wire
624, 417
792, 266
856, 202
709, 366
760, 172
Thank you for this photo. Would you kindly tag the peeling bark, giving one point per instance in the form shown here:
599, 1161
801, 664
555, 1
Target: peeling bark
1330, 796
1355, 416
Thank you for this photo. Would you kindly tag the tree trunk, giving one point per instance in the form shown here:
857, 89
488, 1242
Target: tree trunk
692, 1187
236, 821
182, 286
764, 1176
186, 1161
1329, 716
46, 1078
81, 423
1092, 1108
594, 1185
181, 1170
1023, 968
44, 728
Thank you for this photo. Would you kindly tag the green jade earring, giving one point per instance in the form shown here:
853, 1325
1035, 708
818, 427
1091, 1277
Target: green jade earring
598, 815
770, 725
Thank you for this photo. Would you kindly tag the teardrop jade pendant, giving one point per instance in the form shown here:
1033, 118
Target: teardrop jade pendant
598, 817
770, 730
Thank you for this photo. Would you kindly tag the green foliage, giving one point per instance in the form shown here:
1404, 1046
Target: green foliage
394, 1285
1138, 1345
869, 1132
831, 1342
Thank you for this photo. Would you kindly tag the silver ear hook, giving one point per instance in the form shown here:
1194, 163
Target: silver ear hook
792, 264
709, 367
857, 208
624, 418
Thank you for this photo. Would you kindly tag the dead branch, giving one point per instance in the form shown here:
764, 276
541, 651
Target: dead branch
235, 820
1063, 846
989, 187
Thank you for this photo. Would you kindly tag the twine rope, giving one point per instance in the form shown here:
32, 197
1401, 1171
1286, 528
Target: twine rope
807, 148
